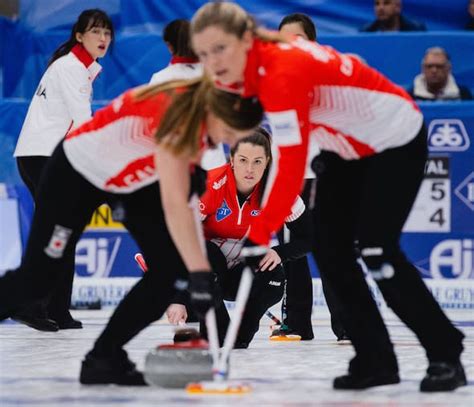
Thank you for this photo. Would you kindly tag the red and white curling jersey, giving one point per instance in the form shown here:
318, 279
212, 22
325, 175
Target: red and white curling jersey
115, 150
312, 90
225, 221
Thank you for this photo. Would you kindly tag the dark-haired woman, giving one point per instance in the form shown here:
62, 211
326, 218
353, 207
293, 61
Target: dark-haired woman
232, 200
298, 24
141, 150
61, 102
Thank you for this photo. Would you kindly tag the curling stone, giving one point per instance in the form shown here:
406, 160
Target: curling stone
186, 334
178, 364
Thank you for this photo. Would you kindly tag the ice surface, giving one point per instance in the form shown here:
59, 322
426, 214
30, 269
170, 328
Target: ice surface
41, 369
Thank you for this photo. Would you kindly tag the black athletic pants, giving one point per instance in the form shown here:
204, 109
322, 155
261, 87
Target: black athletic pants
267, 290
66, 202
58, 304
368, 201
298, 302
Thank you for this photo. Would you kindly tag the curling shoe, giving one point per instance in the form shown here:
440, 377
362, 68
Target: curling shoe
442, 376
65, 320
70, 324
360, 382
39, 323
105, 370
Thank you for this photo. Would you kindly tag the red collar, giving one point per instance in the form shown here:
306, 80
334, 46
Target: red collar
183, 60
82, 55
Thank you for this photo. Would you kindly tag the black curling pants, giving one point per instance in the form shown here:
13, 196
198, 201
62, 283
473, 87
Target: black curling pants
297, 305
65, 203
367, 201
58, 304
267, 290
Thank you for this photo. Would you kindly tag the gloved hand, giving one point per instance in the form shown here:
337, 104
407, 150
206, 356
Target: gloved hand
252, 254
201, 291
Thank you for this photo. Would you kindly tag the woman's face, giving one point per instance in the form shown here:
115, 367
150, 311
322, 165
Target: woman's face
294, 29
223, 55
220, 132
249, 163
96, 41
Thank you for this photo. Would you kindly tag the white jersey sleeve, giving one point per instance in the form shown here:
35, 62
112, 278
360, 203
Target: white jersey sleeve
76, 89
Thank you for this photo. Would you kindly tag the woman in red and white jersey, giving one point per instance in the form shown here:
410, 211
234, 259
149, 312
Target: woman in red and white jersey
141, 150
374, 145
232, 199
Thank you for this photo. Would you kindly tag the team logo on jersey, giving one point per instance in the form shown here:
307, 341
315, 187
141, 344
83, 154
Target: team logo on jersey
447, 135
223, 212
218, 184
255, 212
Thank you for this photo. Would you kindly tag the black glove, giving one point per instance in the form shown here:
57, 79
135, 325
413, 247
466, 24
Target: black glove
252, 254
201, 292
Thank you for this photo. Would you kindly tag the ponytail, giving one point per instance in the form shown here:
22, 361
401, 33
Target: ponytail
180, 128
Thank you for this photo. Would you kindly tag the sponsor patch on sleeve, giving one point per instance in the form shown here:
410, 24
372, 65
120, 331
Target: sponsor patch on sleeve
285, 128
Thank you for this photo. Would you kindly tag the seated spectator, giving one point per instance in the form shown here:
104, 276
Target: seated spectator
470, 10
390, 18
436, 81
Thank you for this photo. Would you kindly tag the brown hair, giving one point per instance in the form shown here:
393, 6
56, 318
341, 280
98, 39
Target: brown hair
180, 126
233, 19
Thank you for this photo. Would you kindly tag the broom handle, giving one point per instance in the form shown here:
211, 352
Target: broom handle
212, 337
231, 335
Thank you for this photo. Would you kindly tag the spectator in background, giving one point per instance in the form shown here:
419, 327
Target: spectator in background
470, 10
435, 82
390, 18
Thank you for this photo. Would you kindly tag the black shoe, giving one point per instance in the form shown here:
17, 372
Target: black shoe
343, 340
119, 370
39, 323
442, 376
69, 324
359, 382
240, 345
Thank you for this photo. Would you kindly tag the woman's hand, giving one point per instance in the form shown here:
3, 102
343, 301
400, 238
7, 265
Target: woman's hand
269, 261
176, 313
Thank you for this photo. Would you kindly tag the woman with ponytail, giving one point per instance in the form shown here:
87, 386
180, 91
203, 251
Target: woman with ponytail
140, 151
62, 102
371, 134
